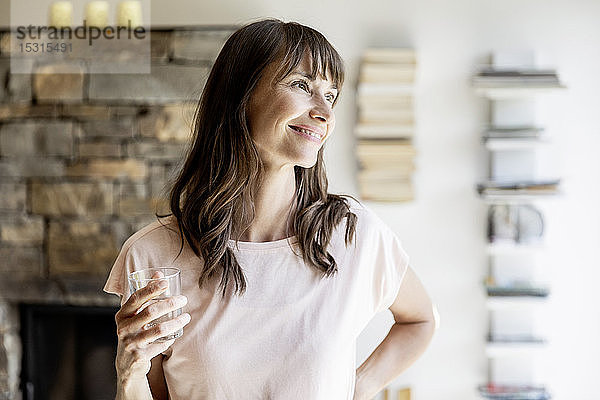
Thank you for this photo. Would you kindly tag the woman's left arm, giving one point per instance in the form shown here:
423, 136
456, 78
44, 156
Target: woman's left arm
415, 322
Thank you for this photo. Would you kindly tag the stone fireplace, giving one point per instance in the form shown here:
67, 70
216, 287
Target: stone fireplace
84, 163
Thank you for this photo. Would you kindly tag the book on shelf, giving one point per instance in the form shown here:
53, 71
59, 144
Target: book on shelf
523, 193
377, 115
513, 392
387, 101
383, 147
494, 77
377, 154
384, 131
404, 394
529, 187
515, 76
380, 172
512, 84
516, 72
514, 338
400, 163
389, 55
513, 132
386, 73
516, 84
386, 189
384, 89
387, 394
401, 394
517, 291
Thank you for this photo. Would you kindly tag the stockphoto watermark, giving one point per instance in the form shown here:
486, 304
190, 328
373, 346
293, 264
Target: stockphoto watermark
101, 36
89, 33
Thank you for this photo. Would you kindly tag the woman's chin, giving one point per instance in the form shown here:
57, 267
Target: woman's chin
307, 162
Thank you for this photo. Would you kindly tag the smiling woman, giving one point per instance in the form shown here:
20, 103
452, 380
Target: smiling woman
278, 276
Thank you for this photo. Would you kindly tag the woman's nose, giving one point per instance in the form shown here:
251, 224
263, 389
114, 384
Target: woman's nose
322, 111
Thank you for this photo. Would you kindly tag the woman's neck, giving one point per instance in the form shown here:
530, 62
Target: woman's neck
274, 206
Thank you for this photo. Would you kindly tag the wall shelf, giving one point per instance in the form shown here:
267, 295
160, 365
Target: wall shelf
515, 225
518, 198
503, 144
503, 349
512, 248
500, 93
500, 303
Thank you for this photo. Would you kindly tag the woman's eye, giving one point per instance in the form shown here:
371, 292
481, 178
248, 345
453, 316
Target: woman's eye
302, 85
330, 97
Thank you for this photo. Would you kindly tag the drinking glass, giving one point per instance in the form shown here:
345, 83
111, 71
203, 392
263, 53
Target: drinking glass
141, 278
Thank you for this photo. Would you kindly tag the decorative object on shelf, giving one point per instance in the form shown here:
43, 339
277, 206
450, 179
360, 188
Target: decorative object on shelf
96, 13
385, 125
61, 14
515, 223
129, 13
515, 182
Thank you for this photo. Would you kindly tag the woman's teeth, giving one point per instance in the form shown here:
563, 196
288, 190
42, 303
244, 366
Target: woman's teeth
307, 132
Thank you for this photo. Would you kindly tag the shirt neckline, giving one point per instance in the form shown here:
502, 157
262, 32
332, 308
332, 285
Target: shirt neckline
275, 244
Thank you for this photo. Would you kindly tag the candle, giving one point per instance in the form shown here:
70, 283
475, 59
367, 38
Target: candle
61, 13
96, 13
129, 12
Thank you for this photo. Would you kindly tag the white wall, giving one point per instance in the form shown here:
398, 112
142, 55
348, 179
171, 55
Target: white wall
443, 230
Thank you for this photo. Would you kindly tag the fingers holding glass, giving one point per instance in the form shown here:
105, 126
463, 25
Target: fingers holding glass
165, 306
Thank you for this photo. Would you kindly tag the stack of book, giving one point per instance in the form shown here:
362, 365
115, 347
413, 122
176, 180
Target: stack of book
385, 125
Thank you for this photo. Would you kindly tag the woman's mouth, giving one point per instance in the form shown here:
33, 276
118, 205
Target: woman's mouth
315, 137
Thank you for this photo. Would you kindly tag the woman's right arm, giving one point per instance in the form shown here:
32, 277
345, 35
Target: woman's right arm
135, 348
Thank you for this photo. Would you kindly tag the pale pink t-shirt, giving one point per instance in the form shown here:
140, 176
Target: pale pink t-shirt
292, 335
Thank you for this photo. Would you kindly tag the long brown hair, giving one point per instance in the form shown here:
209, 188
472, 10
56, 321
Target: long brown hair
222, 168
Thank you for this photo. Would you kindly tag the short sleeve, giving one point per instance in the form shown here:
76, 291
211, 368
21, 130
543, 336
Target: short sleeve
151, 246
117, 279
382, 263
390, 266
133, 256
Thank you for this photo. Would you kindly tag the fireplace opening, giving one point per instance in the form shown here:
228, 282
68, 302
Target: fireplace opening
68, 352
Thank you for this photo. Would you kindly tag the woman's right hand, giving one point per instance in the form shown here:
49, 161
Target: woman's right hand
135, 346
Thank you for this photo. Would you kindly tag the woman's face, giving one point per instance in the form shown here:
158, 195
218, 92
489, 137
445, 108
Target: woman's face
290, 120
